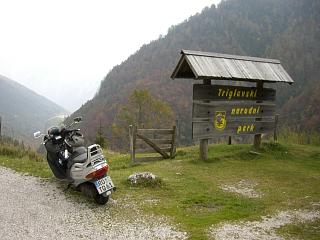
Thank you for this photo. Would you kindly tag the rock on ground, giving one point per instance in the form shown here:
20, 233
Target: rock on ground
145, 176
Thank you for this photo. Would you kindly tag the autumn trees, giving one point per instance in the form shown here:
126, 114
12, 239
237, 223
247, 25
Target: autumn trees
287, 30
143, 110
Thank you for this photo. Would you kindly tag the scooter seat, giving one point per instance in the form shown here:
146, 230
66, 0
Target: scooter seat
79, 155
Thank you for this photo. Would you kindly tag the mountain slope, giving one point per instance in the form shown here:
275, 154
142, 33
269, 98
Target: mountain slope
24, 111
287, 30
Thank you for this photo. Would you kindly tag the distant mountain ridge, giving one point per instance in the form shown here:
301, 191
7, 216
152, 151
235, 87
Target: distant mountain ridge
288, 30
23, 111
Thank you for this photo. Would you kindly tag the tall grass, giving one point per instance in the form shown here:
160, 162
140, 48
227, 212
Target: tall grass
15, 149
289, 135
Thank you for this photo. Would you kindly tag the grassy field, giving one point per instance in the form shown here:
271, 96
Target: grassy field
286, 176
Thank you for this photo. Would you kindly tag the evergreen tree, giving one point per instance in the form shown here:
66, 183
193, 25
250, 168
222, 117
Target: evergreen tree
100, 139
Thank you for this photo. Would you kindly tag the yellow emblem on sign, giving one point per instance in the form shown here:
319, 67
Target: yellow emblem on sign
220, 120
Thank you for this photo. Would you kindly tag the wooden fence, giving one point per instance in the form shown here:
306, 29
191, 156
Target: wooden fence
160, 141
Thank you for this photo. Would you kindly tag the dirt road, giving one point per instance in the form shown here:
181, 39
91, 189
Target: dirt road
31, 208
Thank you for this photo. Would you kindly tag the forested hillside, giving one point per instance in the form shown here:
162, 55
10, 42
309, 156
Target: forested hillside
288, 30
24, 111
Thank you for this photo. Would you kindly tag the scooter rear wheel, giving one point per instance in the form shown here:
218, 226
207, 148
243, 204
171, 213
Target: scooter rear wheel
100, 199
90, 190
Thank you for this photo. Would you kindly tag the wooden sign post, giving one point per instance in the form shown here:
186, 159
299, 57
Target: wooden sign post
228, 106
230, 109
257, 137
203, 145
224, 110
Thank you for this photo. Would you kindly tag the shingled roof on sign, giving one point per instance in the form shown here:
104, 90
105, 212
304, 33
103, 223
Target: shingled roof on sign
217, 66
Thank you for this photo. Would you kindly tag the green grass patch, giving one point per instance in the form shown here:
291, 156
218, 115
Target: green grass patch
22, 159
286, 175
27, 166
189, 192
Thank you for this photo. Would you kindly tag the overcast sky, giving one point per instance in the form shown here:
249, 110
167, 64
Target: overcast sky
62, 49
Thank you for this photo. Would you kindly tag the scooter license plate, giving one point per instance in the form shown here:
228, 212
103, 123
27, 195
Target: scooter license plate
104, 184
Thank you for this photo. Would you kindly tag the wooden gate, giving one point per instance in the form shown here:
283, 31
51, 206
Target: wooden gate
160, 141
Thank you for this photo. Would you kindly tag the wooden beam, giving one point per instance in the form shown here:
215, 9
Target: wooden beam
132, 139
157, 141
155, 131
148, 159
257, 137
233, 109
206, 129
203, 149
231, 93
152, 150
203, 146
275, 133
153, 145
173, 142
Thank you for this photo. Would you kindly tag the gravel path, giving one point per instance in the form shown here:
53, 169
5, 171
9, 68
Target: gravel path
265, 229
31, 208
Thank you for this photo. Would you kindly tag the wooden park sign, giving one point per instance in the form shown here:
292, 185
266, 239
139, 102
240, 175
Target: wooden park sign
230, 109
220, 110
231, 93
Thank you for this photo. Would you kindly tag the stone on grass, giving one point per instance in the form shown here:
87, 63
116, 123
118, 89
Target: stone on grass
141, 177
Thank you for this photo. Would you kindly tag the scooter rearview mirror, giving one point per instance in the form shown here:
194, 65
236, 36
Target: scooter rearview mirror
37, 134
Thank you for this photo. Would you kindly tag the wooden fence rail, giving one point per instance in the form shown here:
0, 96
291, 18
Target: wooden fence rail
161, 141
